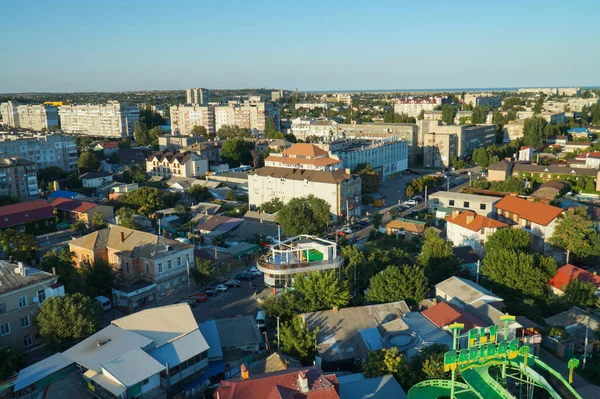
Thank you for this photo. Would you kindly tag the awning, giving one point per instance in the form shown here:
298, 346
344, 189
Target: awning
214, 368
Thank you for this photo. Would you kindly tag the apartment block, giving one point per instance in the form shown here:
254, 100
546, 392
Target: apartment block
197, 96
179, 164
412, 106
174, 142
38, 117
468, 137
112, 119
44, 149
483, 100
185, 117
10, 114
250, 114
18, 178
438, 149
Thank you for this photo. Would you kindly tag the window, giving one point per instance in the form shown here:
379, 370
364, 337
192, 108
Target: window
179, 261
451, 202
482, 207
127, 267
147, 267
27, 341
160, 268
2, 308
5, 329
466, 204
145, 381
41, 296
170, 264
22, 301
25, 322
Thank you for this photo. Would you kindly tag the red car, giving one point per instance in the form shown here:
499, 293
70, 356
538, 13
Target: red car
198, 298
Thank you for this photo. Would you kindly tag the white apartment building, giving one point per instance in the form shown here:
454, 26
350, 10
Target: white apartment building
305, 156
10, 114
112, 119
37, 117
197, 96
483, 100
481, 204
413, 106
185, 117
177, 164
468, 228
44, 149
300, 127
311, 106
561, 91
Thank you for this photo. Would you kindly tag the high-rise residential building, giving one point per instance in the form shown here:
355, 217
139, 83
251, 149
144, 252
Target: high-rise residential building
44, 149
197, 96
185, 117
412, 106
38, 117
18, 178
483, 100
251, 114
10, 114
113, 119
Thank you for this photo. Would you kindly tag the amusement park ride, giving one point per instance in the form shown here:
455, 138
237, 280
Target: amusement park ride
487, 364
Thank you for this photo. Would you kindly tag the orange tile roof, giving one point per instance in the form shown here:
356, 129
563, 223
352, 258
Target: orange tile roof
303, 161
569, 272
305, 150
535, 212
72, 205
443, 314
476, 223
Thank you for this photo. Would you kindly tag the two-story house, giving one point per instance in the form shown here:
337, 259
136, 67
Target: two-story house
536, 218
443, 202
23, 289
177, 164
147, 265
95, 179
468, 228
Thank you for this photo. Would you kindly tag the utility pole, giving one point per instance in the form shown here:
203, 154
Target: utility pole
187, 266
347, 213
277, 333
585, 345
425, 197
477, 278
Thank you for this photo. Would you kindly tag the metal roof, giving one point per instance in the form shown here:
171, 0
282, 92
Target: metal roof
465, 290
40, 370
10, 280
211, 334
356, 386
132, 367
181, 349
238, 331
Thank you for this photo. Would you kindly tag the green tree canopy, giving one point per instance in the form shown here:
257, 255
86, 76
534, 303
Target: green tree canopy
10, 362
437, 258
97, 221
199, 193
51, 173
153, 135
233, 131
236, 152
479, 114
509, 239
389, 361
448, 114
20, 245
203, 271
284, 305
126, 218
63, 263
533, 132
370, 180
272, 206
575, 233
297, 340
407, 283
580, 293
87, 162
304, 215
98, 278
62, 321
321, 290
199, 131
140, 133
145, 200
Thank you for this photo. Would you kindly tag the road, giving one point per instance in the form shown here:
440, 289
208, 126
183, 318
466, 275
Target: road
233, 302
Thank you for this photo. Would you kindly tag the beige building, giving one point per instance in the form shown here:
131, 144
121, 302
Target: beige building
514, 129
251, 114
500, 171
481, 204
179, 164
412, 106
23, 289
197, 96
18, 178
185, 117
482, 100
10, 114
305, 156
438, 149
38, 117
44, 149
173, 142
112, 119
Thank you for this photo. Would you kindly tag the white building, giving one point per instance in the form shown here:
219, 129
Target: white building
592, 160
10, 114
112, 119
468, 228
197, 96
177, 164
95, 179
413, 106
38, 117
480, 204
44, 149
483, 100
305, 156
251, 114
311, 106
526, 153
185, 117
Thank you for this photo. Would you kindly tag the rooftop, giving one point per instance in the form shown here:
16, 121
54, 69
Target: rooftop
410, 225
221, 224
558, 170
12, 280
132, 367
535, 212
503, 165
569, 272
317, 176
21, 213
443, 314
236, 332
464, 290
464, 197
356, 386
72, 205
303, 161
94, 175
474, 222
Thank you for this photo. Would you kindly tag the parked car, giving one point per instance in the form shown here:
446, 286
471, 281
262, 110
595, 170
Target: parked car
244, 276
199, 298
253, 271
362, 224
104, 302
409, 203
347, 230
190, 302
221, 288
232, 283
209, 291
260, 320
340, 233
417, 198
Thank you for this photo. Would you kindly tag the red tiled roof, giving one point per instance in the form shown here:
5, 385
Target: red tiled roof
474, 222
303, 161
305, 150
593, 154
568, 272
72, 205
535, 212
280, 385
443, 314
110, 144
31, 211
525, 147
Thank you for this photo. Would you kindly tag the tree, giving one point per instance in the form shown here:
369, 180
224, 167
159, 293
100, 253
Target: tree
482, 157
430, 362
127, 219
199, 193
421, 115
284, 305
271, 131
377, 218
202, 272
86, 162
140, 133
509, 239
20, 245
370, 180
580, 293
533, 132
236, 152
199, 131
436, 258
233, 131
389, 361
272, 206
64, 320
321, 290
395, 283
51, 173
63, 264
575, 233
230, 195
297, 340
479, 114
73, 181
98, 278
145, 200
448, 114
98, 221
537, 107
153, 135
10, 362
304, 215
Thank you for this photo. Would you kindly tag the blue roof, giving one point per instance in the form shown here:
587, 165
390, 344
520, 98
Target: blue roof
211, 335
355, 386
63, 194
578, 130
372, 338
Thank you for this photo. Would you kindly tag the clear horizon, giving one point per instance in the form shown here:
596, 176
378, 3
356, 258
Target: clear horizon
69, 46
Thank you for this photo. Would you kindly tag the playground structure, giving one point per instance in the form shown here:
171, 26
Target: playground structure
488, 365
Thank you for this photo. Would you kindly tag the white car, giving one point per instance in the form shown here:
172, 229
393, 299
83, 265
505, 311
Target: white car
347, 230
221, 288
410, 202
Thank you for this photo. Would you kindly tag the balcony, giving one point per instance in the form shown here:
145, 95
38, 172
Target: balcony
269, 267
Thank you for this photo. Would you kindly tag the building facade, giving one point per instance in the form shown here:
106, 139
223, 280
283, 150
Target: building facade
412, 106
172, 142
480, 204
38, 117
10, 114
482, 100
469, 228
44, 149
112, 119
438, 149
185, 117
177, 164
197, 96
305, 156
251, 114
18, 178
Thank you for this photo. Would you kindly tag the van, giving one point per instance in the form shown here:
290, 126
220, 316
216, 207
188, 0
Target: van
260, 320
104, 302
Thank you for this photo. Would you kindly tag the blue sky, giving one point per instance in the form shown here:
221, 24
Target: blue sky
109, 45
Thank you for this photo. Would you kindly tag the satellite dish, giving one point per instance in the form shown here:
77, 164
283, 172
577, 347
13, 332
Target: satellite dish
35, 299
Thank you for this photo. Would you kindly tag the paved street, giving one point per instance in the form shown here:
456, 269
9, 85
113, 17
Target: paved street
231, 303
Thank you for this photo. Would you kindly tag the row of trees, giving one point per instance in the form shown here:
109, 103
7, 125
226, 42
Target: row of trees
417, 186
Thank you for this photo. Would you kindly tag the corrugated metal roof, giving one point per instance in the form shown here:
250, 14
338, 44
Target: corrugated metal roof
356, 386
41, 369
181, 349
211, 335
132, 367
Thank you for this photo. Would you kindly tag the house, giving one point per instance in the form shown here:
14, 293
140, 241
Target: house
275, 362
480, 204
147, 265
536, 218
178, 164
142, 354
559, 139
462, 292
568, 273
239, 337
23, 289
33, 217
469, 228
209, 331
592, 160
66, 194
550, 190
95, 179
406, 227
115, 190
108, 148
74, 211
356, 386
296, 383
526, 153
132, 155
578, 324
217, 227
442, 314
550, 172
500, 171
205, 208
579, 133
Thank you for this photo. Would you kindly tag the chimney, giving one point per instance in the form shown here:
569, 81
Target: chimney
21, 269
335, 309
455, 213
470, 218
348, 171
302, 382
54, 271
11, 259
122, 236
245, 373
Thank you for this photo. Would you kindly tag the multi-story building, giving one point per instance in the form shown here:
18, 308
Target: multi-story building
311, 106
38, 117
44, 149
480, 204
112, 119
179, 164
197, 96
23, 290
277, 95
305, 156
18, 178
438, 149
561, 91
185, 117
10, 114
298, 255
175, 142
251, 114
469, 228
413, 106
147, 265
483, 100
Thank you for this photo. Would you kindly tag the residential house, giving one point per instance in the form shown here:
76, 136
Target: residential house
550, 172
578, 324
74, 211
469, 228
550, 190
217, 228
132, 155
579, 133
559, 139
405, 227
526, 154
443, 314
592, 160
216, 365
461, 292
95, 179
179, 164
66, 194
275, 362
140, 355
33, 217
568, 273
239, 337
536, 218
500, 171
147, 265
23, 289
108, 148
481, 204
